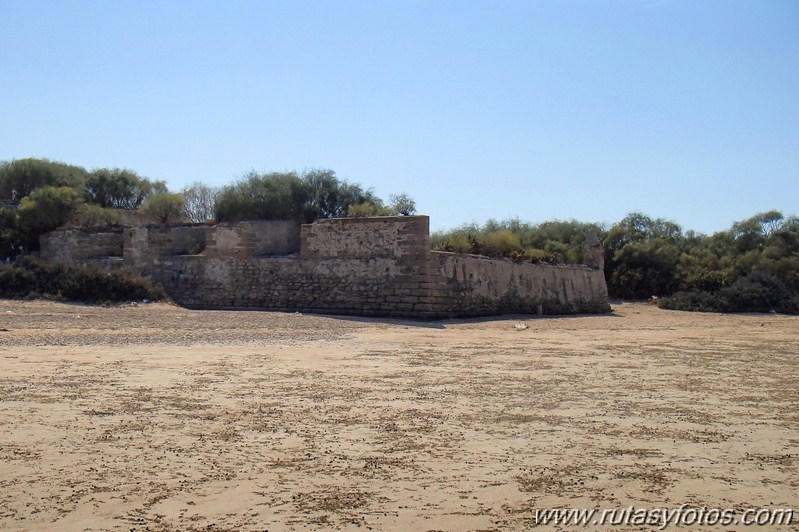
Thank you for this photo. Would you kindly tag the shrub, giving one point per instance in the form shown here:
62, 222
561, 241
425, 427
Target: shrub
791, 306
290, 196
95, 216
500, 243
29, 277
10, 238
20, 177
695, 300
47, 208
163, 208
456, 243
536, 256
756, 292
362, 210
402, 204
120, 188
16, 282
274, 196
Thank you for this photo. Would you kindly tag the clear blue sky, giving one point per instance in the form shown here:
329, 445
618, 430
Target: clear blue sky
540, 110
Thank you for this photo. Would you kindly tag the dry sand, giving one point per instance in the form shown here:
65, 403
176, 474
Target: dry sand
156, 417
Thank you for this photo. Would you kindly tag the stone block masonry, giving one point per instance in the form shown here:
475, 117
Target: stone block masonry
85, 247
380, 266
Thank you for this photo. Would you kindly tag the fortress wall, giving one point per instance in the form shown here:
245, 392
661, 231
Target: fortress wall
343, 286
81, 246
489, 286
362, 266
150, 242
365, 238
251, 239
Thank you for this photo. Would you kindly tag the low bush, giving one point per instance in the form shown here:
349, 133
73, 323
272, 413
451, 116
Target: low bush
163, 208
500, 244
536, 256
756, 292
95, 216
29, 277
695, 300
47, 208
456, 242
363, 210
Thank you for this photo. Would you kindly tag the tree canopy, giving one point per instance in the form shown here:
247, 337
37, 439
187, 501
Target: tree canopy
120, 188
20, 177
46, 208
290, 196
752, 265
39, 195
166, 207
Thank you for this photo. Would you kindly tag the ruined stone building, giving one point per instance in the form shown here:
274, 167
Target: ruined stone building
380, 266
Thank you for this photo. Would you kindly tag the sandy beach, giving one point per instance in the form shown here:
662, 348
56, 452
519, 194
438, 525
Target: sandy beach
154, 417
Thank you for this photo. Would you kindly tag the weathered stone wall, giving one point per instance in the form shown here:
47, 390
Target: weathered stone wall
82, 246
150, 242
252, 239
363, 266
346, 286
476, 285
366, 238
345, 266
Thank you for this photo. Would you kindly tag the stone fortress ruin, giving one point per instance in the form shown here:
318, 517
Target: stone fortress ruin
380, 266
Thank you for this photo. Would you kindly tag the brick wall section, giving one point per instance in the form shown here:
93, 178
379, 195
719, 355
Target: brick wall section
361, 266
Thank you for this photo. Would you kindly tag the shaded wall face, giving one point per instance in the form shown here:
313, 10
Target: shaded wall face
450, 286
479, 285
148, 243
255, 238
77, 246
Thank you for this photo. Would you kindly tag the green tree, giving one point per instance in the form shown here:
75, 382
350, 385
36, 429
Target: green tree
290, 196
45, 209
120, 188
645, 268
273, 196
87, 215
330, 197
11, 239
163, 208
20, 177
402, 204
642, 255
